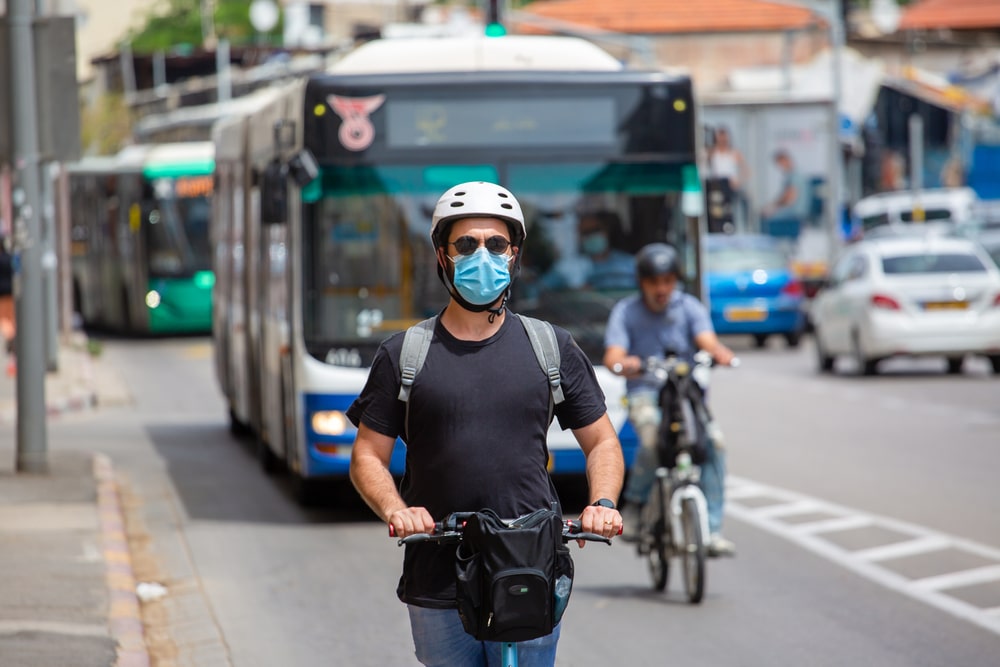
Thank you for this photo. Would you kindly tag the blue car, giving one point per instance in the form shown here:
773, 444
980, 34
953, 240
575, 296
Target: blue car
752, 289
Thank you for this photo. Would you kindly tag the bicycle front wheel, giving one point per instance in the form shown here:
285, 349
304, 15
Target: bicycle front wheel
657, 522
692, 552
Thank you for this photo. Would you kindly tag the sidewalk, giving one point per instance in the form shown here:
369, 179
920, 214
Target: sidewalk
67, 596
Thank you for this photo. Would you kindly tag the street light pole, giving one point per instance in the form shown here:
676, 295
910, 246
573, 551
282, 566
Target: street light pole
836, 175
28, 285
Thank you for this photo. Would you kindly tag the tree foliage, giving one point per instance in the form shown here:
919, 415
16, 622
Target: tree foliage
176, 25
105, 125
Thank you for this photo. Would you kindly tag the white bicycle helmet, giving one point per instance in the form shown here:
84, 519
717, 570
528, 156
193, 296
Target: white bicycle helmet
478, 199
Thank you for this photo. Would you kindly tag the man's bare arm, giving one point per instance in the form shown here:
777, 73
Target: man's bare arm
605, 474
371, 477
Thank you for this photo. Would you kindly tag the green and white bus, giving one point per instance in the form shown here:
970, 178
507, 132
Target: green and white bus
324, 202
141, 257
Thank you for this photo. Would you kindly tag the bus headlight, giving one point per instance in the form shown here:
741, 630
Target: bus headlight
329, 422
152, 299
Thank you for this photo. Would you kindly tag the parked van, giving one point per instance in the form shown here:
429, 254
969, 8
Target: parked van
904, 206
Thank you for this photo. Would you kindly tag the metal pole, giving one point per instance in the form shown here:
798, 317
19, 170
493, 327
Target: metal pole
28, 293
223, 76
49, 285
207, 23
160, 73
127, 65
916, 128
836, 169
63, 253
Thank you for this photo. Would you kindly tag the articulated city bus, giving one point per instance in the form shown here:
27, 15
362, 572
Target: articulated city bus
139, 228
324, 202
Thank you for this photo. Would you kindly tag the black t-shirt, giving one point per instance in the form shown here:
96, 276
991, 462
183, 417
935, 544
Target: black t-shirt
478, 419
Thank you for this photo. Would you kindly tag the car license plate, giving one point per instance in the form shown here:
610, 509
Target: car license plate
746, 314
946, 305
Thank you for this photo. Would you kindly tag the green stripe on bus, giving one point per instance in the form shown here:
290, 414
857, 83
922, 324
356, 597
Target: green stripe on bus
175, 169
185, 304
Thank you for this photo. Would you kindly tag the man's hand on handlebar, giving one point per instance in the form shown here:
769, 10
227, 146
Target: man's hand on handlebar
602, 521
410, 521
723, 355
628, 367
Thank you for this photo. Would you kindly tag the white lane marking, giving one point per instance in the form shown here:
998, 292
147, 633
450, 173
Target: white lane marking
978, 575
920, 545
810, 536
744, 490
833, 525
788, 509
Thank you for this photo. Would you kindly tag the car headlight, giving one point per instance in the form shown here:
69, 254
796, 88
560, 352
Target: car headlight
329, 422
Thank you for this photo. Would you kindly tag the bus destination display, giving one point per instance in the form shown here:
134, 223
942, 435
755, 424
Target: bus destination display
481, 123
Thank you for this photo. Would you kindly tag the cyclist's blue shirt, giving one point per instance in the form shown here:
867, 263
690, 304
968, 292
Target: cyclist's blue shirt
644, 333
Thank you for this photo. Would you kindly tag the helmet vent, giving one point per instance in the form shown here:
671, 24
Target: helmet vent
457, 204
506, 206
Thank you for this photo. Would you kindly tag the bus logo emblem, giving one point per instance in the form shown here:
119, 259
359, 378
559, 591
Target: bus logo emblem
356, 129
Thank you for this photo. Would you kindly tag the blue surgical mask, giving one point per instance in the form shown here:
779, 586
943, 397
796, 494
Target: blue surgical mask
481, 277
595, 244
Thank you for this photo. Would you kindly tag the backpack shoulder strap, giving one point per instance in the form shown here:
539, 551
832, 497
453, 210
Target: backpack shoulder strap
416, 342
546, 347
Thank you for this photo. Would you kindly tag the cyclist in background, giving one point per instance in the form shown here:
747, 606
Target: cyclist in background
476, 431
663, 317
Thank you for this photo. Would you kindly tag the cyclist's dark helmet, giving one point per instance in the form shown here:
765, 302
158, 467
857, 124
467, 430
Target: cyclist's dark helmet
658, 259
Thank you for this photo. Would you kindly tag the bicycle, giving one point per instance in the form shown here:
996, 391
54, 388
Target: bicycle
449, 530
674, 519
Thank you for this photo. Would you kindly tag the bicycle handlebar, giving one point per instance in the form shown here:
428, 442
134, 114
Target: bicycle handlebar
670, 363
450, 530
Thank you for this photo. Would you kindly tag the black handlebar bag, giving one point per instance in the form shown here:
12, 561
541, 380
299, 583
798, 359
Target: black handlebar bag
671, 396
513, 578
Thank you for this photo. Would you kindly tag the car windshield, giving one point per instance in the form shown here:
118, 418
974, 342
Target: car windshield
994, 251
933, 263
737, 258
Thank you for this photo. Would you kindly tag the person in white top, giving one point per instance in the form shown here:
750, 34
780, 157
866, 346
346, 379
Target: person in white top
725, 161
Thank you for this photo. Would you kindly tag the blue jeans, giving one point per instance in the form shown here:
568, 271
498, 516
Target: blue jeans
440, 641
645, 415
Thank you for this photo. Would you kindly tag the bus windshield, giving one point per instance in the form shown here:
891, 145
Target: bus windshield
178, 243
371, 269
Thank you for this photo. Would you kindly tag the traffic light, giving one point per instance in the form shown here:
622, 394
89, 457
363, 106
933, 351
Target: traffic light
494, 24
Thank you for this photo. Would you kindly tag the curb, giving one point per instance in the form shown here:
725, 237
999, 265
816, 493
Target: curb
75, 403
124, 617
54, 407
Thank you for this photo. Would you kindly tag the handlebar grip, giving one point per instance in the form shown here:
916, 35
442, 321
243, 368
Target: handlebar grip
589, 537
438, 527
573, 531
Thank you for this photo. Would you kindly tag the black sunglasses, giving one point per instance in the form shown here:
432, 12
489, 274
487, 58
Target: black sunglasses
466, 245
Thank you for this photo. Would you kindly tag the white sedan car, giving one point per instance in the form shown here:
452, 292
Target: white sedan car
909, 295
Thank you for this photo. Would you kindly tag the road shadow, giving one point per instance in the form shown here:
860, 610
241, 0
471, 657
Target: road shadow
218, 478
647, 595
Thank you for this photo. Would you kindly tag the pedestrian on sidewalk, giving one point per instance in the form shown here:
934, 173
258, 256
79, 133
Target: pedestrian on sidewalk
8, 325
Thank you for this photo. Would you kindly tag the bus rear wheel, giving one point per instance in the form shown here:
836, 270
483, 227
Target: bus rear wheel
269, 462
236, 427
